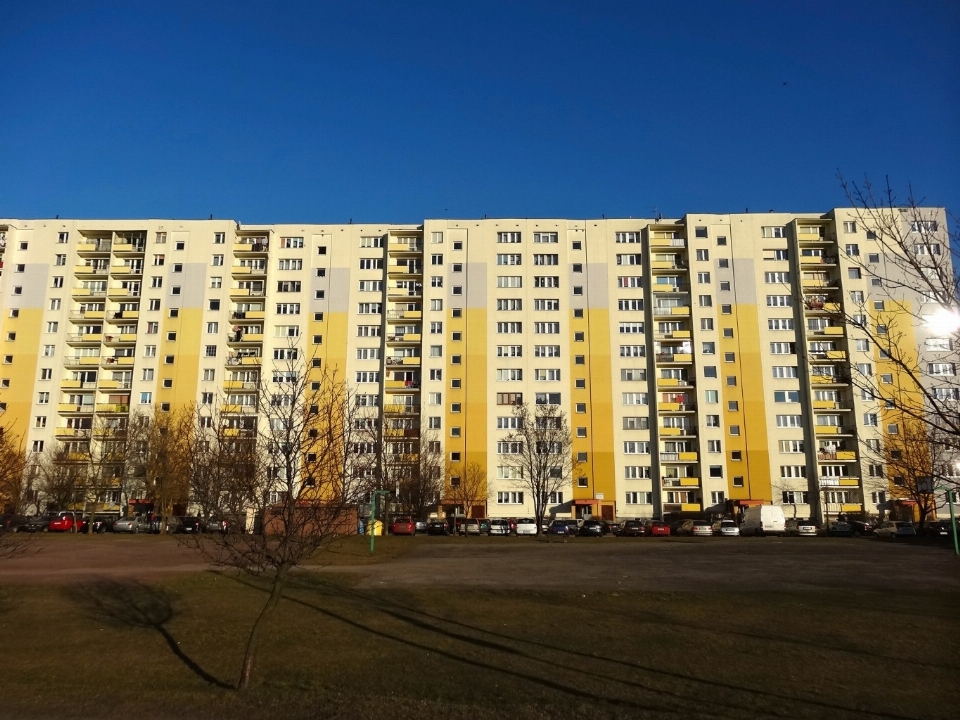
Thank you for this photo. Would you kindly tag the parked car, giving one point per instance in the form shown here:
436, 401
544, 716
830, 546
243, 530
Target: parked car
591, 528
421, 525
512, 522
657, 528
403, 525
132, 524
559, 527
632, 528
861, 527
526, 526
469, 526
103, 521
67, 521
37, 523
699, 528
837, 528
608, 527
800, 527
219, 525
190, 525
895, 529
172, 524
726, 528
438, 527
938, 529
675, 526
499, 526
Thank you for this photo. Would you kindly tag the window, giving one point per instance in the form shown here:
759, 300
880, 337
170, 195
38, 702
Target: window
627, 238
292, 309
776, 277
783, 348
509, 374
509, 398
436, 259
53, 327
786, 396
502, 259
291, 243
172, 336
508, 237
546, 281
789, 421
636, 423
507, 304
631, 259
546, 374
547, 398
630, 305
149, 350
631, 328
511, 497
709, 348
506, 328
436, 351
711, 396
49, 350
779, 301
146, 398
784, 371
856, 296
780, 324
770, 232
849, 226
636, 447
288, 286
630, 281
941, 369
509, 281
633, 398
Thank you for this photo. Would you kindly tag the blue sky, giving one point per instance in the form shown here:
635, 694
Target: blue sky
393, 112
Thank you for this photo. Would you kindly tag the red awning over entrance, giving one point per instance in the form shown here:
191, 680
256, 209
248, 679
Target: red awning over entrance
584, 502
747, 503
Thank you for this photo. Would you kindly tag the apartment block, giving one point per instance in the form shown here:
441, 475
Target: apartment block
699, 360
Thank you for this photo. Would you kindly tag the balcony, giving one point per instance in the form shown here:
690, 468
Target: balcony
87, 315
248, 270
237, 338
245, 292
402, 385
126, 270
251, 245
405, 360
84, 338
666, 265
656, 242
120, 339
660, 289
121, 315
126, 247
115, 360
404, 338
66, 433
116, 384
817, 306
94, 247
82, 293
413, 290
689, 431
401, 409
72, 409
818, 260
671, 311
246, 360
678, 457
675, 382
406, 269
670, 407
81, 360
239, 385
88, 271
404, 315
404, 248
116, 293
675, 482
831, 430
234, 409
113, 408
247, 315
674, 357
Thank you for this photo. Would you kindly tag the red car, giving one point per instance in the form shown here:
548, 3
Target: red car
658, 528
64, 522
403, 526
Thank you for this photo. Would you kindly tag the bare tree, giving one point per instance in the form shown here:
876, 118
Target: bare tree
302, 493
423, 489
13, 461
466, 487
169, 462
540, 452
224, 467
62, 475
916, 275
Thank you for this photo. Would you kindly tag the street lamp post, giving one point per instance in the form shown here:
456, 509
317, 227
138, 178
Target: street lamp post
925, 484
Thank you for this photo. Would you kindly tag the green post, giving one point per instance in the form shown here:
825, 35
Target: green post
373, 515
953, 523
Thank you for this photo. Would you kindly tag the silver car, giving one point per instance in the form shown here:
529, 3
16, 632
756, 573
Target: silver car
726, 528
800, 527
132, 524
895, 529
499, 526
526, 526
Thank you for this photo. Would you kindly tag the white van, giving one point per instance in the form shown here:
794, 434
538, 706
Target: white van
763, 520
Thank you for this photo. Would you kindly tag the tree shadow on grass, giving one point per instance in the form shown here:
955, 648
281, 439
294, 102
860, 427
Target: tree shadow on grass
485, 639
135, 605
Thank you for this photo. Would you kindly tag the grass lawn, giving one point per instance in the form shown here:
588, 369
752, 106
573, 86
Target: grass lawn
173, 649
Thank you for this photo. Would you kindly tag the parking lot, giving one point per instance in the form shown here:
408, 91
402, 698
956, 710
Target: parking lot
654, 564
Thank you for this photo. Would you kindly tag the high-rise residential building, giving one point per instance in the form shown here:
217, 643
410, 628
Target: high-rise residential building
699, 361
